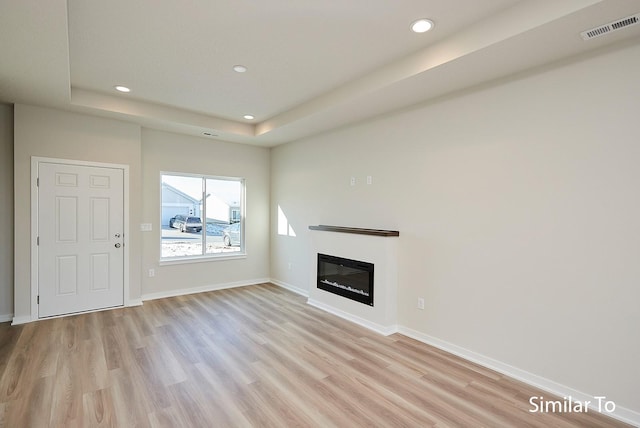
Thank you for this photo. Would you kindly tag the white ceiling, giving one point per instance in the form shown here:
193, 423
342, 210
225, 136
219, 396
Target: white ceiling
313, 65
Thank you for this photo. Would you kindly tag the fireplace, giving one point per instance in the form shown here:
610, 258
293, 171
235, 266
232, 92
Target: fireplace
379, 248
348, 278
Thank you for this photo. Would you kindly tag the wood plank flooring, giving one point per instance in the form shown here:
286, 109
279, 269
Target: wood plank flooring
255, 356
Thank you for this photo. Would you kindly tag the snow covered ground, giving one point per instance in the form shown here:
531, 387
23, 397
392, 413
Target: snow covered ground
180, 244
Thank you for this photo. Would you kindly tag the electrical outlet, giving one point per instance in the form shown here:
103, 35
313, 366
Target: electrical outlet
369, 179
152, 273
420, 303
353, 181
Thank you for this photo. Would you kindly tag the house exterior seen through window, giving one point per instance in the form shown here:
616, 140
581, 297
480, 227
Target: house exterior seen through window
201, 216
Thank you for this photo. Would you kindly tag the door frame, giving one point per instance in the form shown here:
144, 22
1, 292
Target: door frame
35, 162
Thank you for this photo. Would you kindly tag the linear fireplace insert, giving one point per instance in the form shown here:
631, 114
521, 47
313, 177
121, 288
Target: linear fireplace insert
352, 279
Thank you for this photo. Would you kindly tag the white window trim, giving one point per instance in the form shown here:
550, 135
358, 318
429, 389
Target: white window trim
207, 257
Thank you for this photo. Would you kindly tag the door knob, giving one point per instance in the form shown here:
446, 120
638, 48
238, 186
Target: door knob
118, 245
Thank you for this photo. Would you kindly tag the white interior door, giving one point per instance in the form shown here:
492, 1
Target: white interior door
80, 233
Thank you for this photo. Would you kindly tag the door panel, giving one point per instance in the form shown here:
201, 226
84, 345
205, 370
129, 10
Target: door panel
67, 219
99, 219
66, 275
100, 272
80, 229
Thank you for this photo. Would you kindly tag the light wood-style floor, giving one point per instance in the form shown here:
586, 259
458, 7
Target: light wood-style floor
251, 356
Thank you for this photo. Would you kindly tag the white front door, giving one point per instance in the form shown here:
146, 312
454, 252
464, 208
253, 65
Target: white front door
80, 234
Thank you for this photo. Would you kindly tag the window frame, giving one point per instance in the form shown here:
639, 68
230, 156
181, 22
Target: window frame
204, 256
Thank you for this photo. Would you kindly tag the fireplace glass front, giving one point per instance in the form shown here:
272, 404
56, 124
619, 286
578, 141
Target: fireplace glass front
352, 279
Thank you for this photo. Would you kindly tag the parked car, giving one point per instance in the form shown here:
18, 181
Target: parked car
171, 220
231, 235
186, 223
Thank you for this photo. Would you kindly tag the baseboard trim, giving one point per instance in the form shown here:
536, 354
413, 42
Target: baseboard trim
6, 317
202, 289
381, 329
21, 320
620, 413
134, 302
290, 287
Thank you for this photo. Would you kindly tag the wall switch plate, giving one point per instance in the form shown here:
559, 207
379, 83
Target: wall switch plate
353, 181
369, 179
146, 227
420, 303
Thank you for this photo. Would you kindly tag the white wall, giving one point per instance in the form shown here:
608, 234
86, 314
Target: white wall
6, 212
517, 206
207, 157
56, 134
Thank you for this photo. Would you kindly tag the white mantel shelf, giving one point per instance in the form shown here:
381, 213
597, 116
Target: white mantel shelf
356, 230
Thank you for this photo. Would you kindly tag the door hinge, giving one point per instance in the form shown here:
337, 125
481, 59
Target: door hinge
37, 240
38, 300
37, 181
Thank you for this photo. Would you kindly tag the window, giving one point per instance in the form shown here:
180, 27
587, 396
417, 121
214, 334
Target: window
201, 216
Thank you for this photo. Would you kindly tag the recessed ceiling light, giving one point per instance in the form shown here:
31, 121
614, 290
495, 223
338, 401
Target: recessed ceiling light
239, 68
421, 26
122, 88
249, 117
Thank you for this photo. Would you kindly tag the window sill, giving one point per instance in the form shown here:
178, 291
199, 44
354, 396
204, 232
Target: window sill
201, 259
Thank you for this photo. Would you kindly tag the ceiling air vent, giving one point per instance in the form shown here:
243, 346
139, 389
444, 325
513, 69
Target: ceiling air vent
611, 27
